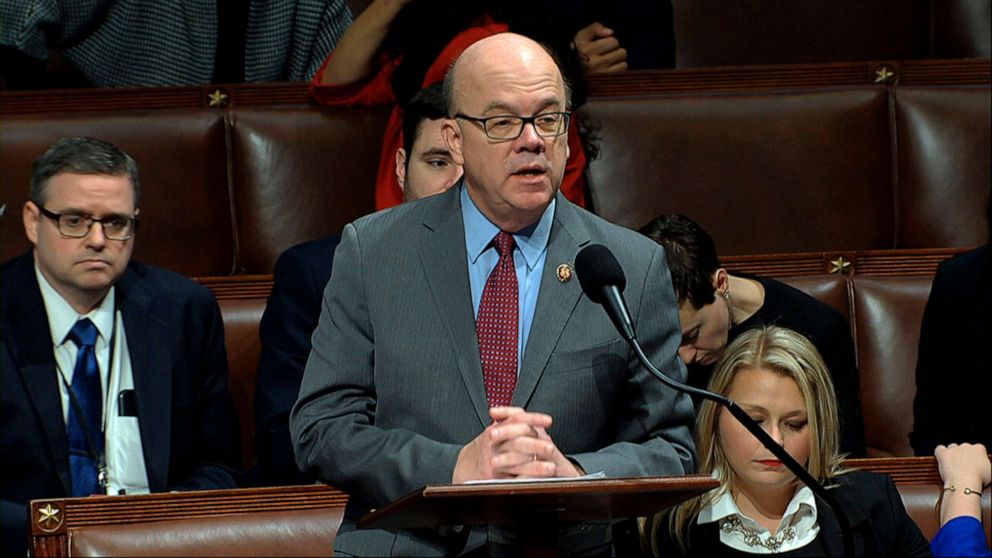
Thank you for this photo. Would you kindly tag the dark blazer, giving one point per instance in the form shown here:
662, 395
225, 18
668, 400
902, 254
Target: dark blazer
287, 324
189, 431
393, 387
879, 521
953, 378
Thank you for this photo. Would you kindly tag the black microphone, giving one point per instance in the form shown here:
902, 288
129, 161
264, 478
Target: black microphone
602, 280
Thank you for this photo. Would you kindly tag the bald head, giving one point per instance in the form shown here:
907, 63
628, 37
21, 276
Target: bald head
507, 52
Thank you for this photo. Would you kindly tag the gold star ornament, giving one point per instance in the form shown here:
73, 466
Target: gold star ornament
884, 74
218, 98
839, 265
49, 518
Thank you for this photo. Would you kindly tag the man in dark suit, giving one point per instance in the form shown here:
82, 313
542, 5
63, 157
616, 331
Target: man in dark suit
423, 167
452, 333
114, 373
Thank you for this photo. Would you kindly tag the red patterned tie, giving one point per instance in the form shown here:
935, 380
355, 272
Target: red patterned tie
496, 326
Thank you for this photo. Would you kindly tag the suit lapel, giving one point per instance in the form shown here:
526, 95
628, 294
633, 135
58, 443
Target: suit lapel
444, 258
555, 302
146, 333
27, 324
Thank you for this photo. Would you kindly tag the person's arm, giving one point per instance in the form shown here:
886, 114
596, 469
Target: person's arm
215, 450
13, 527
599, 50
354, 57
289, 319
964, 466
336, 433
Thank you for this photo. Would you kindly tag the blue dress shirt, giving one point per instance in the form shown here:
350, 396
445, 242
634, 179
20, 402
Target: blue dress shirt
528, 260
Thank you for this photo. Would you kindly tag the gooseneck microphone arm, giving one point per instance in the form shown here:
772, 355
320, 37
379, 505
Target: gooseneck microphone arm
603, 281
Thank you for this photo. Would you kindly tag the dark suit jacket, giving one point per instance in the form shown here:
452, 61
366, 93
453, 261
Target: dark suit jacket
954, 370
879, 521
189, 432
290, 317
393, 388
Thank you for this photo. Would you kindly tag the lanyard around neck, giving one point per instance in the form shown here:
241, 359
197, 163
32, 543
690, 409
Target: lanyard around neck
97, 455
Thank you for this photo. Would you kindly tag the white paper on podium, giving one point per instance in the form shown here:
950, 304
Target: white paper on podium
592, 476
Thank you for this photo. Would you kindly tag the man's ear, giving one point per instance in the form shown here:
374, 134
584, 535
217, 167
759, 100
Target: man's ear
452, 135
401, 168
721, 281
31, 216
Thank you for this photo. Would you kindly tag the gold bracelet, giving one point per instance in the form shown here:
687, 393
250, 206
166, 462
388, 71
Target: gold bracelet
964, 490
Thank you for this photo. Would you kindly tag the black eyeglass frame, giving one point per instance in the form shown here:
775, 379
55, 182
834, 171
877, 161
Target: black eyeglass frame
57, 217
524, 121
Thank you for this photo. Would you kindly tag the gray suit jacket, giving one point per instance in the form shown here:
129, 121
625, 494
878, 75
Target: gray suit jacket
393, 388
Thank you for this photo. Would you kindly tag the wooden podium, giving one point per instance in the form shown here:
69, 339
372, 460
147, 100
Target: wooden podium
537, 508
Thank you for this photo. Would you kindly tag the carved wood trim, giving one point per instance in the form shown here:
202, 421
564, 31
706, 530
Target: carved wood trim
970, 71
52, 518
238, 286
921, 261
909, 261
903, 470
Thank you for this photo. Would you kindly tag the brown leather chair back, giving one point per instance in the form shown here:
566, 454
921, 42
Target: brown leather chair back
944, 137
832, 290
241, 318
186, 205
299, 174
961, 29
276, 533
887, 316
752, 169
921, 501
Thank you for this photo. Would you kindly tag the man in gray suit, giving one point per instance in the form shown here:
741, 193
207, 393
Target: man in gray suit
419, 374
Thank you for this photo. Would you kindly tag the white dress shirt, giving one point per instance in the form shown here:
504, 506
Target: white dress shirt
122, 437
797, 528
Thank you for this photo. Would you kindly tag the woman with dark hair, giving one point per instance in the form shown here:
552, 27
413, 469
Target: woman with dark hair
397, 47
715, 307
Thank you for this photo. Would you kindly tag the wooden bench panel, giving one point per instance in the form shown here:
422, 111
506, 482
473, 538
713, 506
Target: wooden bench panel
255, 521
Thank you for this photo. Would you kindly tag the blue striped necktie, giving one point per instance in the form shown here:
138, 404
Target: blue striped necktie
89, 394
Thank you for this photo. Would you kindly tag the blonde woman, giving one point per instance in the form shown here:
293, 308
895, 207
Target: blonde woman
776, 375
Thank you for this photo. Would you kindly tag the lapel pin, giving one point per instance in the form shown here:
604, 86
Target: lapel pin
564, 273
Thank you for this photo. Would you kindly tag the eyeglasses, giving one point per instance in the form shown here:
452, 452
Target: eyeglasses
115, 227
509, 127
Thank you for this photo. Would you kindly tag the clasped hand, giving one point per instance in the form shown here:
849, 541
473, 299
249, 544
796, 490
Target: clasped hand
516, 444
